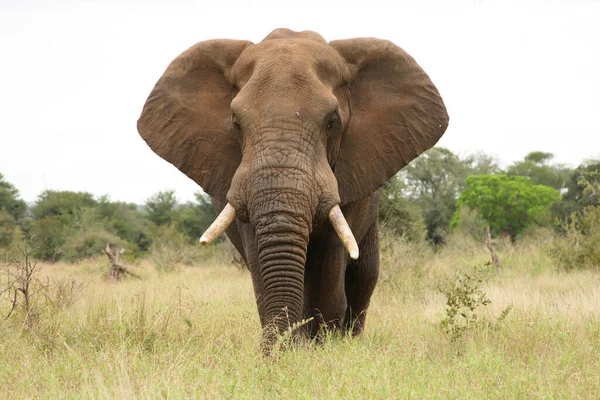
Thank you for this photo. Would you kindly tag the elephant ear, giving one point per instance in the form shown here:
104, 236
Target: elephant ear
187, 119
396, 114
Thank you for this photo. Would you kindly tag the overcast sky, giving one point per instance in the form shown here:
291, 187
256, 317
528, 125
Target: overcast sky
516, 76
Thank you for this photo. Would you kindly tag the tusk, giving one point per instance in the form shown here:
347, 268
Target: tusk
221, 223
343, 230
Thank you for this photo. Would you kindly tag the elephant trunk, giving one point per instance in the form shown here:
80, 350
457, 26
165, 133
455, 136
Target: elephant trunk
282, 237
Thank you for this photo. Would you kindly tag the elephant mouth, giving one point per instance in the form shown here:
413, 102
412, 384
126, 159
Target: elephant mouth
336, 217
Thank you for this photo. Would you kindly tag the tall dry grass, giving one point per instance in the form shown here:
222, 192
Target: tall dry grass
195, 333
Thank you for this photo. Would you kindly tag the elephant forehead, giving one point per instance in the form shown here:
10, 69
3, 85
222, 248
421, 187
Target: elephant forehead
294, 60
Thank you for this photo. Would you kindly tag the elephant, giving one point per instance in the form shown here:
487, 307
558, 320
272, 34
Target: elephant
293, 138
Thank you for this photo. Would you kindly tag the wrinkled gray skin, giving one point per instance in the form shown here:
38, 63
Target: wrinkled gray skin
284, 130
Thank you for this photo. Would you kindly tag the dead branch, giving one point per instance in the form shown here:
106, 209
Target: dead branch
116, 269
13, 305
488, 244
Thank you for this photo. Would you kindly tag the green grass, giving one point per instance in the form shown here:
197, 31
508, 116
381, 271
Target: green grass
195, 333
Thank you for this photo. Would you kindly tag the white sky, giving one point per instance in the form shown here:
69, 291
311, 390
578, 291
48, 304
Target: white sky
516, 76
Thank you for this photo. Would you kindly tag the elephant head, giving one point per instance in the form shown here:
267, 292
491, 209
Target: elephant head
286, 130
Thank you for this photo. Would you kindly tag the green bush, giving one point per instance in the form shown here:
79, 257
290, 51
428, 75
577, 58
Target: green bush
470, 223
579, 244
89, 244
170, 248
127, 222
51, 234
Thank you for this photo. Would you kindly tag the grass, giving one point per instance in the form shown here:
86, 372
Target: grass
195, 333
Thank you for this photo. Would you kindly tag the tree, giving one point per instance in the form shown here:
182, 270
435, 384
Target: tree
536, 166
126, 221
194, 218
10, 201
56, 216
434, 181
398, 213
161, 207
582, 190
508, 203
62, 204
7, 228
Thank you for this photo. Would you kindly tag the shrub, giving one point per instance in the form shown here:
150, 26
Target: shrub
52, 235
579, 245
171, 247
89, 244
470, 223
463, 298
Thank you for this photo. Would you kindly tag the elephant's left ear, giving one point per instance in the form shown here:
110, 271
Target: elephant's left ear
396, 114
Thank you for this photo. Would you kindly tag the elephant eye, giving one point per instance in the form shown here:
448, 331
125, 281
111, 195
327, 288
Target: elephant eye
332, 121
235, 122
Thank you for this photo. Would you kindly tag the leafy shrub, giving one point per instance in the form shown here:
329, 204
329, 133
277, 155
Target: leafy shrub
127, 222
52, 234
194, 218
579, 244
470, 223
89, 244
463, 298
171, 247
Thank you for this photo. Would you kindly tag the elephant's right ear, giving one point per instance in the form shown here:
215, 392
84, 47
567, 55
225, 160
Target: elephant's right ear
187, 119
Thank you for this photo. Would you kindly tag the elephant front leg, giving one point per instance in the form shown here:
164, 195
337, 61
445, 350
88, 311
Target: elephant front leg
360, 280
325, 298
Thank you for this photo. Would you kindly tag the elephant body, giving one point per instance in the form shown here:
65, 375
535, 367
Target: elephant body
283, 133
337, 290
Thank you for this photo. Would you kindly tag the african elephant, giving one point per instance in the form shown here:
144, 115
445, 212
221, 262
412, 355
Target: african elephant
293, 137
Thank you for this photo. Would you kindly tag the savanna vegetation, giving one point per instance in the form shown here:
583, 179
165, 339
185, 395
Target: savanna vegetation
444, 322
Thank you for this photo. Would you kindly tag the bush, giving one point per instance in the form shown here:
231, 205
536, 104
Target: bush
89, 244
171, 247
12, 238
463, 298
470, 223
125, 221
579, 245
52, 234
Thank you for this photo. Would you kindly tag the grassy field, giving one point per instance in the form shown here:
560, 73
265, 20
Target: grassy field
195, 333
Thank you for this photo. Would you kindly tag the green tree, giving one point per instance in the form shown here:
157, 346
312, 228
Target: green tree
51, 234
10, 201
56, 216
8, 226
62, 204
194, 218
88, 236
398, 213
435, 179
126, 221
582, 190
161, 208
508, 203
537, 167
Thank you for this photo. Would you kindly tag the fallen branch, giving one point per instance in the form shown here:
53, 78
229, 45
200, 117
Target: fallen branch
117, 269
